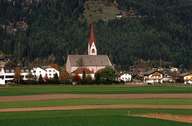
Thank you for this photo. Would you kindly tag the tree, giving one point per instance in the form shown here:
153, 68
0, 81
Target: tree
56, 78
17, 77
84, 76
76, 78
41, 81
161, 29
106, 75
64, 75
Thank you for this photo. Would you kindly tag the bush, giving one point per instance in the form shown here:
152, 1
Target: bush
105, 76
30, 82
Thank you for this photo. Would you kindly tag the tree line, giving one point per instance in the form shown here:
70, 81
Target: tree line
161, 31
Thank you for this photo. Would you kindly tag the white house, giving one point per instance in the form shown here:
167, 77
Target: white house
7, 75
37, 71
125, 77
153, 77
50, 71
44, 71
174, 69
187, 77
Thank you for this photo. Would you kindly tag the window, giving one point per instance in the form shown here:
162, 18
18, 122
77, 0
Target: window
93, 50
9, 76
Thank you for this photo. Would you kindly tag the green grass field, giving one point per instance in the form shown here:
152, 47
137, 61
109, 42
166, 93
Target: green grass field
120, 117
28, 104
98, 89
86, 118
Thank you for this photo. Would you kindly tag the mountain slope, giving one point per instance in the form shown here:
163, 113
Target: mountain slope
39, 30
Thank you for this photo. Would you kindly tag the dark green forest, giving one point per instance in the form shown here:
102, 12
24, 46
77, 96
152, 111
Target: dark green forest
36, 30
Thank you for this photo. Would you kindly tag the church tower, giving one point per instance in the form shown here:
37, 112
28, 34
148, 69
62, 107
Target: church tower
92, 50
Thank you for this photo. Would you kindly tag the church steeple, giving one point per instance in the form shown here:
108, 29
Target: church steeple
92, 50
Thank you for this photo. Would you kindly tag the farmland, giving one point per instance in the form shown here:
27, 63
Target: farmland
86, 118
75, 102
90, 89
96, 105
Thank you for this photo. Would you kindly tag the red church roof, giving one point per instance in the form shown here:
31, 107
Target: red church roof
92, 37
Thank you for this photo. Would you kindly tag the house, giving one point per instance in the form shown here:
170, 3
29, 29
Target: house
125, 77
50, 71
153, 77
93, 62
174, 69
168, 78
37, 71
187, 78
81, 71
44, 71
140, 68
8, 75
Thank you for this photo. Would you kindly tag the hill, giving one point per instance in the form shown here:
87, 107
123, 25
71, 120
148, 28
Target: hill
42, 31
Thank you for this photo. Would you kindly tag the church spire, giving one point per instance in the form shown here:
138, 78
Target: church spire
92, 38
92, 50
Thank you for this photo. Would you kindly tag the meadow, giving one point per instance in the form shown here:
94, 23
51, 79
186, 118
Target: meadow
97, 117
87, 118
90, 89
69, 102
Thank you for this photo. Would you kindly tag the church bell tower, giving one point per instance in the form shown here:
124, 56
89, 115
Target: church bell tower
92, 50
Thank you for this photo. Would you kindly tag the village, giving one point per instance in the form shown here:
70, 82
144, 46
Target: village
79, 68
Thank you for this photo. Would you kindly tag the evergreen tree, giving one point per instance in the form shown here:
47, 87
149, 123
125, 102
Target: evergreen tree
41, 81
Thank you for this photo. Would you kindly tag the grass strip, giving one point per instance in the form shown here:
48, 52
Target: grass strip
28, 104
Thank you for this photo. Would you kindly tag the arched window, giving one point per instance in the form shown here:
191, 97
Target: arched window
93, 50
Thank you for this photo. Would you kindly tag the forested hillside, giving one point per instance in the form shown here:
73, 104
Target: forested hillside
48, 30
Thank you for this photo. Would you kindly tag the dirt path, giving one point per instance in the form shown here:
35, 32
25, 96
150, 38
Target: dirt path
178, 118
85, 107
90, 96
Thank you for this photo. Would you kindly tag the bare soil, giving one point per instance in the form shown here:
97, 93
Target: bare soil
178, 118
85, 107
44, 97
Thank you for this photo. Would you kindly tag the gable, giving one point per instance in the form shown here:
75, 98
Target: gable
156, 74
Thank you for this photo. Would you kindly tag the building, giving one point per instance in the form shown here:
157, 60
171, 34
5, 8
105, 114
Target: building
168, 78
37, 71
125, 77
93, 62
153, 77
44, 71
81, 71
92, 50
8, 75
187, 78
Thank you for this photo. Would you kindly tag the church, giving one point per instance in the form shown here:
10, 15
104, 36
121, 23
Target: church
90, 63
